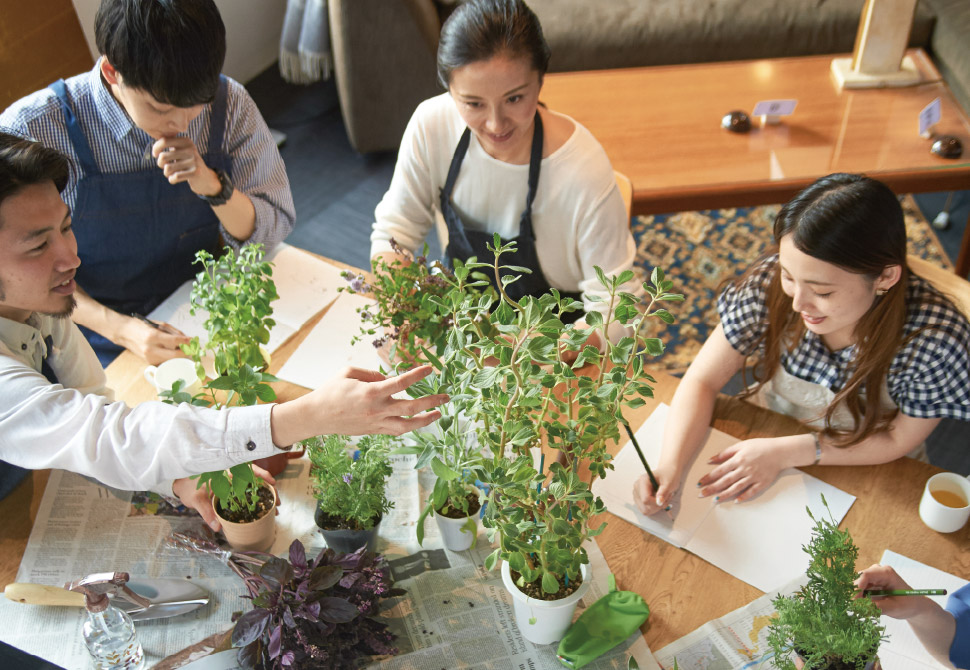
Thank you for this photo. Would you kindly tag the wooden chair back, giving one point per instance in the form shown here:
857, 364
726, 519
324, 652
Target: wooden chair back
956, 288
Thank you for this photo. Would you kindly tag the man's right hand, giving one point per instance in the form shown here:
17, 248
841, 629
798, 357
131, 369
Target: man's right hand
356, 402
155, 345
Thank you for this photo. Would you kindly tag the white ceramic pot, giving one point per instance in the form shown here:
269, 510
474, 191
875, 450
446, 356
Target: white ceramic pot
456, 533
544, 621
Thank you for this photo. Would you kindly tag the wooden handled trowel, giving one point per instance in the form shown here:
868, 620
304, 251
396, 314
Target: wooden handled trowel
168, 597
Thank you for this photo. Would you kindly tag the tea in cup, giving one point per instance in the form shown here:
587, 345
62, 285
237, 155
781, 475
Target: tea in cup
945, 506
164, 375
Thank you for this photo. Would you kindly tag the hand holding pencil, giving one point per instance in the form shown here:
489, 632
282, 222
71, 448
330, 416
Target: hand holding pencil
650, 494
887, 589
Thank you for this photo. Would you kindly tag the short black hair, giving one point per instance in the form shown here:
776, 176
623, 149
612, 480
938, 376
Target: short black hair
172, 49
480, 29
24, 162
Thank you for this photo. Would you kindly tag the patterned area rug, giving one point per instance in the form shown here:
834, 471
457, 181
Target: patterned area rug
699, 250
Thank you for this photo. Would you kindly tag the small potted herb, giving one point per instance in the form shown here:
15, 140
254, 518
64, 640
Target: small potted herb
407, 314
350, 490
236, 292
824, 623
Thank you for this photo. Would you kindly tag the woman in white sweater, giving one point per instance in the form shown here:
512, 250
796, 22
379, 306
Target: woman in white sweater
487, 158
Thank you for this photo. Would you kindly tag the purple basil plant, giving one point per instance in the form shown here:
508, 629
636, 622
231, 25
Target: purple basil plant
314, 614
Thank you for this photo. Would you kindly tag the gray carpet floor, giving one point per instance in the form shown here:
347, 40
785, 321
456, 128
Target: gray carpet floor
335, 190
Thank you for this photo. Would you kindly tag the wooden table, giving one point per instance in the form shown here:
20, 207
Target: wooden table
660, 127
683, 591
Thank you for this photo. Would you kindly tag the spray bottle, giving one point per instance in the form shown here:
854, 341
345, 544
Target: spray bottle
109, 633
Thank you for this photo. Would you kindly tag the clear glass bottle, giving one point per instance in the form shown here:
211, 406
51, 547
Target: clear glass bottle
111, 640
109, 633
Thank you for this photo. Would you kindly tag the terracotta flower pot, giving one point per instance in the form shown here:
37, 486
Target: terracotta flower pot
544, 621
255, 535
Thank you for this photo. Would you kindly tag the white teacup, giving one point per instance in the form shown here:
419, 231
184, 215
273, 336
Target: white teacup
162, 376
945, 506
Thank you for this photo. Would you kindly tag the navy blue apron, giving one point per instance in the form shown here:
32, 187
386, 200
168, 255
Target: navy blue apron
137, 234
464, 243
11, 475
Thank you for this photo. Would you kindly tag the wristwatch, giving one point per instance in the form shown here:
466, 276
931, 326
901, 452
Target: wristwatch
222, 197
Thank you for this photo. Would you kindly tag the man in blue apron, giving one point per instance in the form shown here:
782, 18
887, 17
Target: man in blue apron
169, 158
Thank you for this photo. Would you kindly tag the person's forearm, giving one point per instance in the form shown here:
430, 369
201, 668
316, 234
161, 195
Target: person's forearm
92, 314
687, 424
935, 628
237, 216
881, 447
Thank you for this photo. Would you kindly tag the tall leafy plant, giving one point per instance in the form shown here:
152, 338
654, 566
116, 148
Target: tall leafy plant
516, 374
236, 291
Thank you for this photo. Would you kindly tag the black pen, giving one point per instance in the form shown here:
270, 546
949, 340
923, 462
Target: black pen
643, 459
145, 319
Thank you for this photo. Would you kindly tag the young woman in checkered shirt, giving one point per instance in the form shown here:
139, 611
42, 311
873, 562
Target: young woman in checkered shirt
830, 311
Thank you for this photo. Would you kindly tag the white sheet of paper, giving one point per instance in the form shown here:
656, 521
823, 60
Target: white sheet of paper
903, 650
759, 542
327, 349
305, 286
929, 116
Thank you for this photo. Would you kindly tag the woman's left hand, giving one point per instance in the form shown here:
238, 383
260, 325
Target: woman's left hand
744, 470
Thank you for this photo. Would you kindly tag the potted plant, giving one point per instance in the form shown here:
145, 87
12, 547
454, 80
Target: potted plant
515, 374
824, 623
450, 448
407, 293
350, 491
236, 292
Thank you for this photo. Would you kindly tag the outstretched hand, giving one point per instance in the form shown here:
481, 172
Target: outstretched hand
155, 345
356, 402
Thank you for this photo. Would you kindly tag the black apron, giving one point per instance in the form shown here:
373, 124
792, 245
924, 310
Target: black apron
464, 243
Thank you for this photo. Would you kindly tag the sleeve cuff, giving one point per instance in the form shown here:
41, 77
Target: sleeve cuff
250, 435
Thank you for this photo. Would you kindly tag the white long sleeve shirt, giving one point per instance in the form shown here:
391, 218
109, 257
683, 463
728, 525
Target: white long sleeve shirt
578, 214
76, 426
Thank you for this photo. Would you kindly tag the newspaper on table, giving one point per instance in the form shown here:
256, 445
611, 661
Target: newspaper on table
736, 641
455, 615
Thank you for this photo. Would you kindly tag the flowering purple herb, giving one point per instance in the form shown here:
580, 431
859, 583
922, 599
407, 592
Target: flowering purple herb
366, 316
357, 284
348, 478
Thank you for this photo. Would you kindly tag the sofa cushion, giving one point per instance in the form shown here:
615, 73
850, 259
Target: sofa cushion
589, 35
950, 45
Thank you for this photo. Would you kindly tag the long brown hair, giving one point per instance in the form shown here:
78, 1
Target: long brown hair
855, 223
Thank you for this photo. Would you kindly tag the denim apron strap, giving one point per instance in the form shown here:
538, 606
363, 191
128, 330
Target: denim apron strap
85, 157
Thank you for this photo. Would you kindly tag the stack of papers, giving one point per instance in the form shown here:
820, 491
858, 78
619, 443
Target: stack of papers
759, 542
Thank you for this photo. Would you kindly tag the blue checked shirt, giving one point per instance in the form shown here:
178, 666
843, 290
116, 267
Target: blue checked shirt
120, 147
928, 378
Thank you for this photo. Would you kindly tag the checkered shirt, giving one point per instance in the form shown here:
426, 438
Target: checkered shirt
928, 378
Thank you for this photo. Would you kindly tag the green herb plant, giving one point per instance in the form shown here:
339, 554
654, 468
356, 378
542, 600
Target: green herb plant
517, 375
236, 292
407, 294
348, 488
824, 622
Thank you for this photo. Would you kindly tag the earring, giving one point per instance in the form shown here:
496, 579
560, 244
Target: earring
881, 292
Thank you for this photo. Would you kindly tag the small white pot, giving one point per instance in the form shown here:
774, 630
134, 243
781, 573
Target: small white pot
451, 531
552, 617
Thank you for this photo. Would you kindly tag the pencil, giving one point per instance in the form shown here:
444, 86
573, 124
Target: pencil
646, 466
153, 324
904, 592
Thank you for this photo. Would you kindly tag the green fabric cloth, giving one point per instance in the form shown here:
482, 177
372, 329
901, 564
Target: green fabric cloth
605, 624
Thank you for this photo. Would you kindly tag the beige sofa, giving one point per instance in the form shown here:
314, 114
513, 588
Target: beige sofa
384, 50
